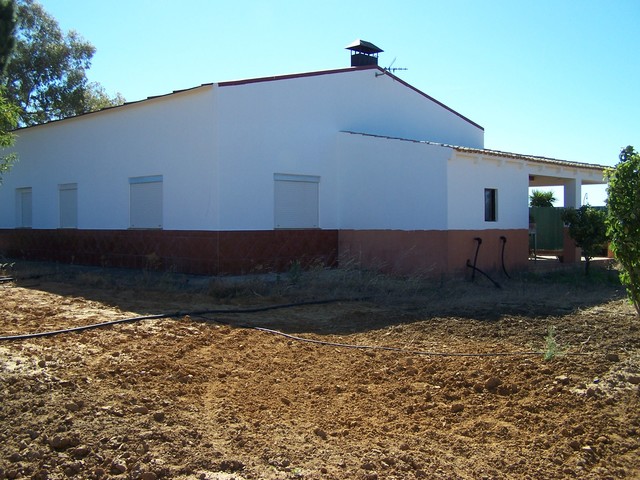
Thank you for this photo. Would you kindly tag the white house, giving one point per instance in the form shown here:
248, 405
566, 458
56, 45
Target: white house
251, 175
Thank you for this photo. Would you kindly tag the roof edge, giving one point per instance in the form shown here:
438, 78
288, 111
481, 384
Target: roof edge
486, 151
290, 76
125, 104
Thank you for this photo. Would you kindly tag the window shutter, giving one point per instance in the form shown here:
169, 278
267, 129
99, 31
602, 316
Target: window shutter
296, 201
68, 205
146, 202
24, 205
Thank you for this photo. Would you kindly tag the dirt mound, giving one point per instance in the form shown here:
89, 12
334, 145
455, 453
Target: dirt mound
452, 384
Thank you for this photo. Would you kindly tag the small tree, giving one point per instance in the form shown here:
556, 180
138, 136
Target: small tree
538, 198
623, 220
588, 229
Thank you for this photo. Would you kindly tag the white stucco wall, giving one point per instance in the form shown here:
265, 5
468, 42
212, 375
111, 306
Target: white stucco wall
391, 184
467, 178
289, 126
218, 147
172, 136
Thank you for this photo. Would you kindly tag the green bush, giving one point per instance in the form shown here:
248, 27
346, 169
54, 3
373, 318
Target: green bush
623, 220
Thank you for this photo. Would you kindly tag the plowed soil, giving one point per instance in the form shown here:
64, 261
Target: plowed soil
453, 382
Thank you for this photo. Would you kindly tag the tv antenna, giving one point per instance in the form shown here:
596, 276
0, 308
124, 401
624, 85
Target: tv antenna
391, 69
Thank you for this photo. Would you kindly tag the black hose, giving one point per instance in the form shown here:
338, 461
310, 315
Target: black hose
475, 259
6, 279
177, 315
277, 332
503, 239
382, 347
474, 268
496, 284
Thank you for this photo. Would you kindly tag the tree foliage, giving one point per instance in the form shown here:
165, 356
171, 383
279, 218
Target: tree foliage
8, 111
623, 220
538, 198
588, 229
46, 76
7, 31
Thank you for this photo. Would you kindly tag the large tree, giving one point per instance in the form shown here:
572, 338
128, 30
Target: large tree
8, 111
7, 32
623, 220
46, 77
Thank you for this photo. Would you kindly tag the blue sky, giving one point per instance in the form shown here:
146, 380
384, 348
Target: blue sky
553, 78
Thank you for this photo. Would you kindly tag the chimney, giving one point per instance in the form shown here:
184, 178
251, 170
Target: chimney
363, 53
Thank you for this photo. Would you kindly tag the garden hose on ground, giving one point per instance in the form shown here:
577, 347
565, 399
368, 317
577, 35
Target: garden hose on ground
202, 314
177, 315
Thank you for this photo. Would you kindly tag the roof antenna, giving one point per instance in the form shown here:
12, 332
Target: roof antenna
390, 69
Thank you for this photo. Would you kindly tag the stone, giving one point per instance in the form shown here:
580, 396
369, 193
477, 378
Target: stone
159, 416
492, 383
321, 433
231, 465
15, 457
80, 452
118, 468
59, 442
457, 407
368, 466
634, 379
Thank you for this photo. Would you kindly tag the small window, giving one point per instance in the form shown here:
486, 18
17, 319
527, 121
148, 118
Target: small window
296, 201
490, 204
24, 208
145, 202
68, 194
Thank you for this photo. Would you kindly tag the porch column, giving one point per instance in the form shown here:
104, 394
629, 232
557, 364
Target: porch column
573, 193
572, 198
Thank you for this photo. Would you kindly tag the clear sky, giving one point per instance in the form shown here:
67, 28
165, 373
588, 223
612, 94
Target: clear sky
556, 78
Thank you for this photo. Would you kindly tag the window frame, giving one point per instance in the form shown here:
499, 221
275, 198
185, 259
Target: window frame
490, 204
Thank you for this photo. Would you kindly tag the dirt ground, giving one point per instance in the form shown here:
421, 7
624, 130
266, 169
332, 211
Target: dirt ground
455, 385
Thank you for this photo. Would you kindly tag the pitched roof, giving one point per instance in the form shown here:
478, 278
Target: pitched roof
345, 70
233, 83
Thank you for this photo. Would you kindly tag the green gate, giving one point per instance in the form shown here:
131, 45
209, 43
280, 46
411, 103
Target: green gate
549, 228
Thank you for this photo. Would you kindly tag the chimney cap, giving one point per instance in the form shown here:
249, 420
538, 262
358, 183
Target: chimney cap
363, 47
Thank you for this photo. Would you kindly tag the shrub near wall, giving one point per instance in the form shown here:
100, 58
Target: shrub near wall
623, 220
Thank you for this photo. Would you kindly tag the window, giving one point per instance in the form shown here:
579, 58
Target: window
68, 195
296, 201
24, 212
145, 202
490, 204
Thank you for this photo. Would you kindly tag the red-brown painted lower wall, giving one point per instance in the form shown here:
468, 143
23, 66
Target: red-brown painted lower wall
434, 252
429, 253
197, 252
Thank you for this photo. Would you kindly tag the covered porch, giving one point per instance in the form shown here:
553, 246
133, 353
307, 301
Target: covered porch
568, 180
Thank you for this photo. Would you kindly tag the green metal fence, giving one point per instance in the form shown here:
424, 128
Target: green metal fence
549, 227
